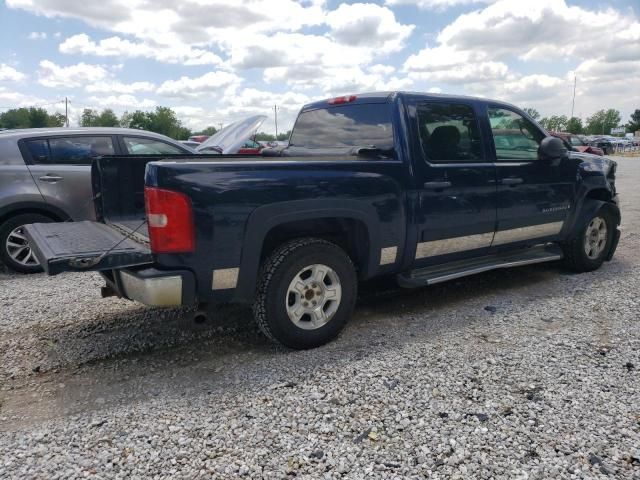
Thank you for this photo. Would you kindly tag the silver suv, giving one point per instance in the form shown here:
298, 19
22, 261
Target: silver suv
45, 176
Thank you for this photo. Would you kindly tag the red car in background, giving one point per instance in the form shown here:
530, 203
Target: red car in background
250, 147
577, 144
198, 138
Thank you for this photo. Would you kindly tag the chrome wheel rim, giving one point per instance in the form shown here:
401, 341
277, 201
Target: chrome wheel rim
19, 250
313, 297
595, 238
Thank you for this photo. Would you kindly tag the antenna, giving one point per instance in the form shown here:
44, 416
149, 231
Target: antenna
573, 102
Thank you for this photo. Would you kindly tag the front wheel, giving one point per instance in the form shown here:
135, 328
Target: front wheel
587, 250
306, 293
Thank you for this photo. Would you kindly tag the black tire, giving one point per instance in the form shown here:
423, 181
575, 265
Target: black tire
9, 226
575, 254
272, 295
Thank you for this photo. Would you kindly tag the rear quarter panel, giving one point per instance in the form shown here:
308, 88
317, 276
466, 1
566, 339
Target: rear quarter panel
236, 204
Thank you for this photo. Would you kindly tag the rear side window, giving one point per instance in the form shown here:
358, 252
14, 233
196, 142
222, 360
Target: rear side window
73, 150
149, 146
362, 125
449, 132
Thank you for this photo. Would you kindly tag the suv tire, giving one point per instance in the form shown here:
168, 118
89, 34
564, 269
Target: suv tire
306, 293
15, 258
589, 247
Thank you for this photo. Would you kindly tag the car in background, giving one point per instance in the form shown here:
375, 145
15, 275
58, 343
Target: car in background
235, 138
602, 143
574, 142
45, 176
198, 138
190, 143
250, 147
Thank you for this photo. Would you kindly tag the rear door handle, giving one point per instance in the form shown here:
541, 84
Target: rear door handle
50, 178
512, 181
436, 185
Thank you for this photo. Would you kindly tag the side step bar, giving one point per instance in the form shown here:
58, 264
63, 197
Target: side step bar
450, 271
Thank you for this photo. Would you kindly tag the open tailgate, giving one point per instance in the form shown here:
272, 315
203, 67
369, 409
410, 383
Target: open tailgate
84, 246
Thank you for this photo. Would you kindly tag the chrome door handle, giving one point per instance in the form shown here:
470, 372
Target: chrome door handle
50, 178
512, 181
436, 185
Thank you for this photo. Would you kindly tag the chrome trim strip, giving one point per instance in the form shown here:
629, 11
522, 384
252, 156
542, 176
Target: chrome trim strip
453, 245
527, 233
486, 268
224, 278
388, 255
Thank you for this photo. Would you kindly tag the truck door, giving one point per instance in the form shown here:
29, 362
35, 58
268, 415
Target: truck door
456, 205
61, 167
534, 196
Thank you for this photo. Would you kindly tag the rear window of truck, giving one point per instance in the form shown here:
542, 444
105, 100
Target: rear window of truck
361, 125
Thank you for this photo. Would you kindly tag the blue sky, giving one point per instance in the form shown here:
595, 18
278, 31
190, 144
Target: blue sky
219, 60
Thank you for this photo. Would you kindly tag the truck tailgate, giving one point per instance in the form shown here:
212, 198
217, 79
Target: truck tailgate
83, 246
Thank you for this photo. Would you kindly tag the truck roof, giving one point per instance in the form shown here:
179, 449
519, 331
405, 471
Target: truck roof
387, 96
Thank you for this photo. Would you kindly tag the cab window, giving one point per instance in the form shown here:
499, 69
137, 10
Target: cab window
514, 137
449, 132
149, 146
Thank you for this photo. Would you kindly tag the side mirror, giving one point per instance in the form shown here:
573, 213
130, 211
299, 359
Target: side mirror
552, 148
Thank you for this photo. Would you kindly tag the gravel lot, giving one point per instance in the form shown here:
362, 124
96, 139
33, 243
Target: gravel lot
521, 374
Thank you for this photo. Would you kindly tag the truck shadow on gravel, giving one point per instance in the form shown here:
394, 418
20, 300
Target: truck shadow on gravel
117, 358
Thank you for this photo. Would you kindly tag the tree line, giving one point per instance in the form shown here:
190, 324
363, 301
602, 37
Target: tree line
600, 123
32, 117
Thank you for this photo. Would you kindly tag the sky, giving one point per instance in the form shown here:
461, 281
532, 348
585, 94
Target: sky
217, 61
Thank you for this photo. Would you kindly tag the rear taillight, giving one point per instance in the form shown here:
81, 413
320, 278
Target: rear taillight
170, 219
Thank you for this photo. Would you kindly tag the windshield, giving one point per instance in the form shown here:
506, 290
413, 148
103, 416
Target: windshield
575, 140
360, 125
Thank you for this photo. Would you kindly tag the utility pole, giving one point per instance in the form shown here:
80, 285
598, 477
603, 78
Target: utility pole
66, 112
573, 103
275, 112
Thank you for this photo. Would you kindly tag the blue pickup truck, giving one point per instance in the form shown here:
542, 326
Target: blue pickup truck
426, 188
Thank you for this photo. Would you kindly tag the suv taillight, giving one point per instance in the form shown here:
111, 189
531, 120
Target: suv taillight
170, 219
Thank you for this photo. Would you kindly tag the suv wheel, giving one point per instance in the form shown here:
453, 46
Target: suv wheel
16, 253
588, 249
306, 293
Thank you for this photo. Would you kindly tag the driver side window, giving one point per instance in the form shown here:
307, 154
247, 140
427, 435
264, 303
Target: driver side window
514, 137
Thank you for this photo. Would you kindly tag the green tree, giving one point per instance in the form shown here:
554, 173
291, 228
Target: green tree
634, 124
89, 118
207, 131
264, 137
555, 123
601, 122
163, 120
284, 136
532, 112
108, 119
574, 125
30, 118
138, 119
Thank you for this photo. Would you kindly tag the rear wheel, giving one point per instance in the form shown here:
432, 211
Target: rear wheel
588, 249
306, 293
16, 252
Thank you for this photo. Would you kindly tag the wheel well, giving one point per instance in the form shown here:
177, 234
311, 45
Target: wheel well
600, 194
349, 234
23, 211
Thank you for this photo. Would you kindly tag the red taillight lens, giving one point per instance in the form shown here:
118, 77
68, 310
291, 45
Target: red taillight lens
341, 100
170, 219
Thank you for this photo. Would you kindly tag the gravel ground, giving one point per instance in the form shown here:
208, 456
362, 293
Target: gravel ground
521, 374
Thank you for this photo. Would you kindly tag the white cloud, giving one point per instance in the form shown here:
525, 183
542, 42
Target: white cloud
121, 101
435, 4
37, 36
78, 75
9, 98
212, 83
114, 86
122, 48
367, 25
10, 74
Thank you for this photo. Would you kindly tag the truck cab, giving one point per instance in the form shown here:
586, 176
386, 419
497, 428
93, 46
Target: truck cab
423, 187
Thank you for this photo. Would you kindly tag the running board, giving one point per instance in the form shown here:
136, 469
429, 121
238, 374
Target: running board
450, 271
